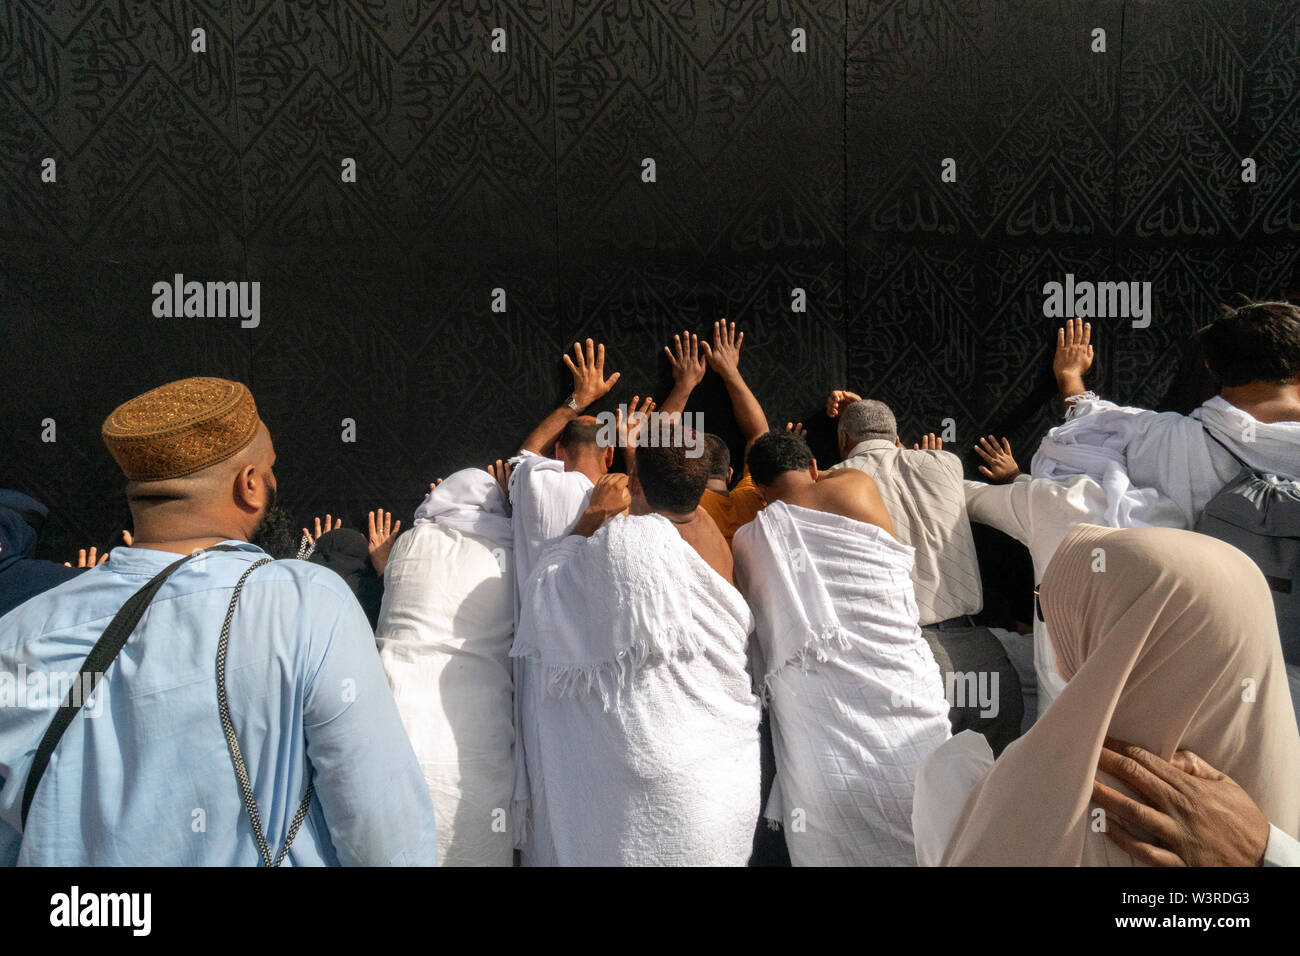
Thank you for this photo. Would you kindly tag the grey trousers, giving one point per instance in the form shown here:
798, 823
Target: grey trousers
982, 686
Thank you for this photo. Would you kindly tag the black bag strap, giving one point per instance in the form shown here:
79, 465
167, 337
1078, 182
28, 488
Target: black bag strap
97, 662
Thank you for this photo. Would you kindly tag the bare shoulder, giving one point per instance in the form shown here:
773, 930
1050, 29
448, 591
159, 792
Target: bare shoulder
844, 477
853, 494
703, 535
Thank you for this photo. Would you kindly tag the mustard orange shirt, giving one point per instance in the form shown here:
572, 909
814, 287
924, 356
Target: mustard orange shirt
734, 511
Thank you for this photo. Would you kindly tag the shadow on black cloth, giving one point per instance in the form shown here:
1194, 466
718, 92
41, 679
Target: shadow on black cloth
346, 552
1007, 575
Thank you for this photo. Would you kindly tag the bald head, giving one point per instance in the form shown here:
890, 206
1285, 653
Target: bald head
228, 499
580, 450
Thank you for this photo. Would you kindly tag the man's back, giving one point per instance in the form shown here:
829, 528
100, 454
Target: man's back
143, 774
444, 638
703, 535
642, 649
923, 493
846, 492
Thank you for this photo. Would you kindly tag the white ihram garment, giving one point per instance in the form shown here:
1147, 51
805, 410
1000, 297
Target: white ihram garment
546, 502
856, 696
444, 638
646, 738
1133, 450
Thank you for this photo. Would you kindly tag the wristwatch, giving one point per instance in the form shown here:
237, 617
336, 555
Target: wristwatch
572, 402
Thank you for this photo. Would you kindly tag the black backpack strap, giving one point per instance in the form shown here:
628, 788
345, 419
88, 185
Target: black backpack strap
97, 662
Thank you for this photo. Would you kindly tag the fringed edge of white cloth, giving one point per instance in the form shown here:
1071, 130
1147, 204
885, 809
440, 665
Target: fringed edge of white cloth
607, 679
819, 647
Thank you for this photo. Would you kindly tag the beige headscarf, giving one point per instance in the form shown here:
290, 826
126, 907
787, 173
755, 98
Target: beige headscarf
1173, 646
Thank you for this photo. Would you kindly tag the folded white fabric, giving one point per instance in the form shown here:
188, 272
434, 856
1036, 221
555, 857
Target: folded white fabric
1132, 450
856, 696
646, 725
469, 500
943, 785
546, 502
444, 636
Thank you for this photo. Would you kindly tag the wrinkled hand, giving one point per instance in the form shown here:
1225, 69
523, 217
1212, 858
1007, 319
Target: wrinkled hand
329, 524
88, 558
589, 382
687, 359
1000, 465
383, 532
1073, 349
836, 401
433, 484
797, 428
1196, 816
724, 355
930, 442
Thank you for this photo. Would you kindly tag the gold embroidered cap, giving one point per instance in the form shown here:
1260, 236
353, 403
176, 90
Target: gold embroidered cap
180, 428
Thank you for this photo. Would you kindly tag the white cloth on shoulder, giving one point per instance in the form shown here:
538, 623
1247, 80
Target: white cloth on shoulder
470, 501
646, 735
444, 635
856, 695
546, 502
1132, 450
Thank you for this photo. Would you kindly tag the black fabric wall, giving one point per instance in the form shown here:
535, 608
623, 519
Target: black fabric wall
521, 171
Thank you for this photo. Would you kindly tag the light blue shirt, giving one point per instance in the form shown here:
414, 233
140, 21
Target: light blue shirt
143, 775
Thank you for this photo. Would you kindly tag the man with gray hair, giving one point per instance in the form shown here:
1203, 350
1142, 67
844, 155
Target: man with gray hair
923, 491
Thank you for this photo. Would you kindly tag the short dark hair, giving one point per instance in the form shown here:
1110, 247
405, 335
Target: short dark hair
1258, 342
777, 452
671, 479
718, 455
579, 434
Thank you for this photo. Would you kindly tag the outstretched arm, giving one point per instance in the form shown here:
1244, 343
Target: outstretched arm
1073, 358
589, 385
999, 464
687, 360
724, 358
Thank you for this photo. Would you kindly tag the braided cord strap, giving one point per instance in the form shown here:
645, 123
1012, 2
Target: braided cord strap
236, 755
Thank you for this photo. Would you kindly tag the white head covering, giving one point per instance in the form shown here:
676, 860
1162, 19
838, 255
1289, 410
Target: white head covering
469, 501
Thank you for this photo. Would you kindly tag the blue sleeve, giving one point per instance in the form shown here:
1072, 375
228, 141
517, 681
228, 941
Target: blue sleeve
374, 798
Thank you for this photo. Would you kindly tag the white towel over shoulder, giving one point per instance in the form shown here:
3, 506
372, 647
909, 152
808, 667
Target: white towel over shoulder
856, 696
444, 639
646, 726
1187, 458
